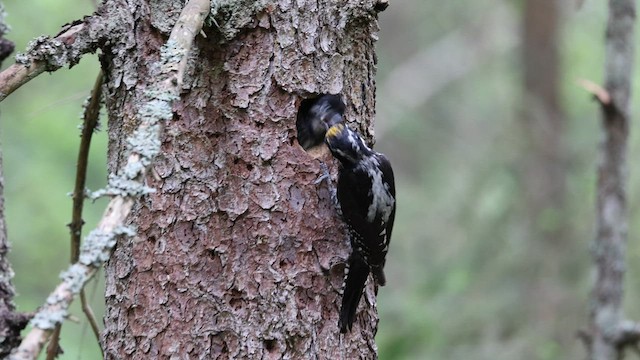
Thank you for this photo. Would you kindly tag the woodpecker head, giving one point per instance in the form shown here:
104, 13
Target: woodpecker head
345, 144
317, 115
329, 109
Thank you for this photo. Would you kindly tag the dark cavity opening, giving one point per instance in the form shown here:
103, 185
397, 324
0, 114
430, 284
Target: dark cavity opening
316, 116
270, 344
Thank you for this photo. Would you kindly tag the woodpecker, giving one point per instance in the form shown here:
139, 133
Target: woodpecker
367, 197
316, 116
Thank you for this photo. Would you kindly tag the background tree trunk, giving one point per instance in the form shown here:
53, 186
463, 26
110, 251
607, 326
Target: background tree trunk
544, 167
238, 253
544, 125
610, 333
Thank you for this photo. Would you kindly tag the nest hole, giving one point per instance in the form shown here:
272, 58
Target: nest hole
315, 116
271, 345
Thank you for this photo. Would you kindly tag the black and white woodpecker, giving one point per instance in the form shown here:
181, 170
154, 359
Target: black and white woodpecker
367, 197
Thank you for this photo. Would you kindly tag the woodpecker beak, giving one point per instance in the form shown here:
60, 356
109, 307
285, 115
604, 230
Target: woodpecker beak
334, 131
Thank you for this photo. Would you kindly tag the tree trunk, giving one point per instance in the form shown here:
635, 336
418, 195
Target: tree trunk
11, 323
610, 333
238, 254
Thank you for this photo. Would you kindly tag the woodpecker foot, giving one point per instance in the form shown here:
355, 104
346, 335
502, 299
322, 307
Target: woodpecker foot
326, 176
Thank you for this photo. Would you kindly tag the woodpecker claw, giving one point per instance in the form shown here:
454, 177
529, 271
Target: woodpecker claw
325, 175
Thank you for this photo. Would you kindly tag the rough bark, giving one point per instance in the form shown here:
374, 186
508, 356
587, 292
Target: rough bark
238, 253
609, 332
11, 323
6, 45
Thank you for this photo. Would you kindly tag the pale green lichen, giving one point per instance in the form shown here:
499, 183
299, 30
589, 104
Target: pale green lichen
123, 185
95, 251
23, 59
52, 52
133, 169
85, 104
145, 143
155, 110
97, 246
75, 276
93, 248
161, 95
55, 298
171, 54
47, 320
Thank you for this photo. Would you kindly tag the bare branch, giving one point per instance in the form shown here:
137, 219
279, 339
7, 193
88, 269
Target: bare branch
47, 54
144, 145
596, 90
91, 318
90, 121
53, 349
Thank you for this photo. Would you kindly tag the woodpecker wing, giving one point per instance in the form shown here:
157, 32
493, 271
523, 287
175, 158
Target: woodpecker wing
387, 176
366, 198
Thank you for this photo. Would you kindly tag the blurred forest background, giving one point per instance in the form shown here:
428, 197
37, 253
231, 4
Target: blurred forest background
494, 147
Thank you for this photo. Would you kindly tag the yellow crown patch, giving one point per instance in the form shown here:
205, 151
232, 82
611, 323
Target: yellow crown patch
335, 130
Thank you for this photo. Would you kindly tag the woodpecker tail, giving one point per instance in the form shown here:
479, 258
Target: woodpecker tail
378, 275
354, 285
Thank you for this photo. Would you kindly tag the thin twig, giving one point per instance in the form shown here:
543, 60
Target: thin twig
53, 349
596, 90
144, 146
90, 317
89, 121
17, 75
